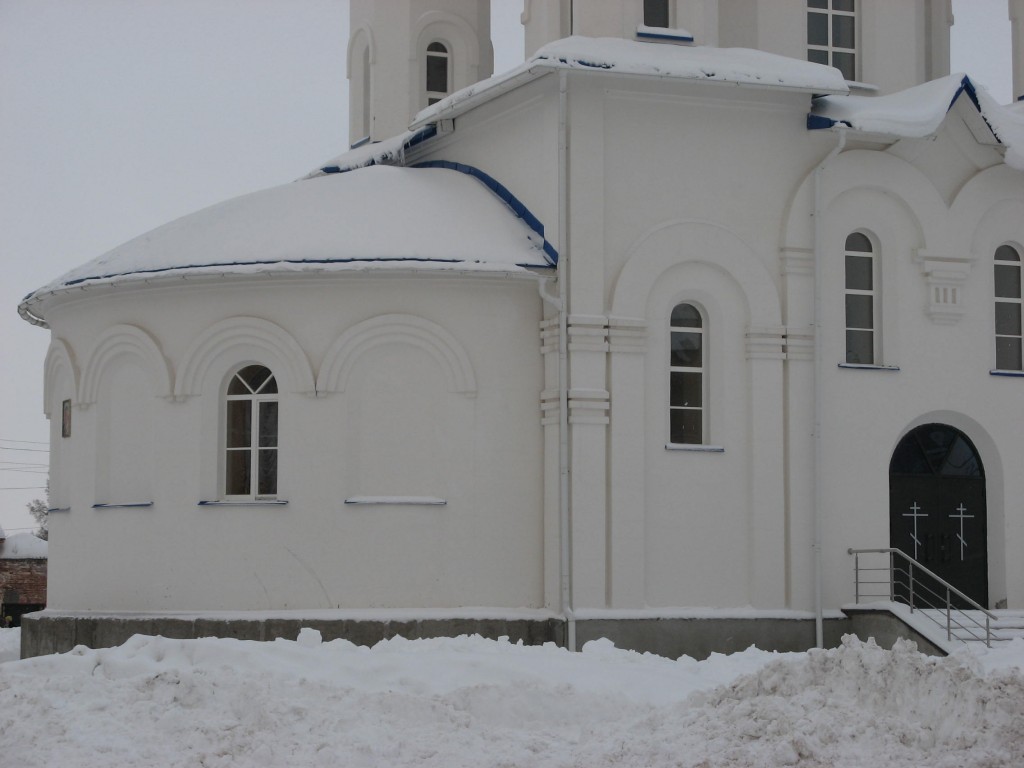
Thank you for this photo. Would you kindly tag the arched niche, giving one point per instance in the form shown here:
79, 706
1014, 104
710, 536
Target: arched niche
59, 365
118, 341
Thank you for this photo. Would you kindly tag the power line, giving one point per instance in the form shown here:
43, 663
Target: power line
25, 488
30, 442
27, 471
25, 463
32, 450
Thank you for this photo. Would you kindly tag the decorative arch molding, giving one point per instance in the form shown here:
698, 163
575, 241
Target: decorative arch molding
871, 171
993, 188
383, 330
118, 341
442, 24
695, 242
245, 338
58, 360
362, 33
999, 224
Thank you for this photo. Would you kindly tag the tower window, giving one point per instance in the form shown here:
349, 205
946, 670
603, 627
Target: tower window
656, 13
438, 72
1008, 309
250, 467
686, 376
831, 35
861, 300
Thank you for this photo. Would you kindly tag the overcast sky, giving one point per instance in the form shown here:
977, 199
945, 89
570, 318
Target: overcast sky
117, 116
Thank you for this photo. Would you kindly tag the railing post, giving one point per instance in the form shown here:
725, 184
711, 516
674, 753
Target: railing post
910, 585
856, 578
988, 631
949, 618
892, 578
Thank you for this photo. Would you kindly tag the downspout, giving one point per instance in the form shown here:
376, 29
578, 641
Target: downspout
819, 631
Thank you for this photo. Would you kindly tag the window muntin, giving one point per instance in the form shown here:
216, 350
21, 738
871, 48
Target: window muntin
438, 72
1008, 309
861, 299
832, 35
656, 13
686, 376
250, 466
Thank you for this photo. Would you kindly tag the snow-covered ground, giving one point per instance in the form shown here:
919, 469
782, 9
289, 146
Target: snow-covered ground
473, 702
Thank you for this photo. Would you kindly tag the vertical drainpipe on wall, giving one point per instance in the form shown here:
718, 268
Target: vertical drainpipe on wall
565, 531
819, 631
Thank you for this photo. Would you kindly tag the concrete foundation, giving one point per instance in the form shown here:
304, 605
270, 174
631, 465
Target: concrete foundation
886, 629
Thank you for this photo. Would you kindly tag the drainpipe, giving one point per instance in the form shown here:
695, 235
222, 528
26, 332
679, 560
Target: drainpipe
819, 631
565, 533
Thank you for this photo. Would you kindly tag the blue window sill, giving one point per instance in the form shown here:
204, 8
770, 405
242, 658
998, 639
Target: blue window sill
58, 509
244, 503
863, 367
1011, 374
694, 448
416, 501
123, 506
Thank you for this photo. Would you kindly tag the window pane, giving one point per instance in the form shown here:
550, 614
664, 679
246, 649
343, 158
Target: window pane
842, 5
237, 473
436, 48
817, 28
437, 74
267, 472
858, 242
858, 273
1007, 253
686, 389
818, 57
656, 13
1008, 354
860, 347
842, 31
1007, 281
859, 311
817, 3
239, 423
686, 316
254, 375
268, 425
686, 349
1008, 319
844, 62
685, 427
238, 387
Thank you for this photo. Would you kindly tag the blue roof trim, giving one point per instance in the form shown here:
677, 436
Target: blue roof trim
506, 196
819, 122
424, 134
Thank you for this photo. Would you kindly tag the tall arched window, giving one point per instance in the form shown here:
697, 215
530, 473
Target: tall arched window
1008, 309
861, 300
438, 72
250, 466
686, 376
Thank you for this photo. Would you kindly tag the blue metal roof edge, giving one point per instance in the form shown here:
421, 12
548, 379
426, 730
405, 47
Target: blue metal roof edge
504, 194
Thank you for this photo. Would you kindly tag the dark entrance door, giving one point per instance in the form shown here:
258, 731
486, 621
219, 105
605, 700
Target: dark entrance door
937, 511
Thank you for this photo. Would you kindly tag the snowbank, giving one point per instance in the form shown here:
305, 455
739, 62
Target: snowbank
472, 702
10, 644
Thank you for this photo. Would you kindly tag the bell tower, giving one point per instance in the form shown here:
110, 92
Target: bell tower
406, 54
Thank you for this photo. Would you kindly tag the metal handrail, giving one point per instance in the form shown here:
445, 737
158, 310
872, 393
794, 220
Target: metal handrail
922, 588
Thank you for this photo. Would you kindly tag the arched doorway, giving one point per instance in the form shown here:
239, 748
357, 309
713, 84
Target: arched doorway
937, 511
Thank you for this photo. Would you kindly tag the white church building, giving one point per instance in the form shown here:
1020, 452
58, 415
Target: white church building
636, 340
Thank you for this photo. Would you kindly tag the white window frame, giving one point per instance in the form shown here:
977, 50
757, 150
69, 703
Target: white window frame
254, 448
701, 370
830, 49
435, 96
669, 15
1007, 300
874, 293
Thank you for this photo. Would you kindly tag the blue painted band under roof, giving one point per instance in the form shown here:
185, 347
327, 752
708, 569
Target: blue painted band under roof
504, 194
665, 36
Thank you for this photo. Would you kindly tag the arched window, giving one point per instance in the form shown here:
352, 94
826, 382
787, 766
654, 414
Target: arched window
861, 300
1008, 309
656, 13
250, 466
831, 35
438, 72
686, 376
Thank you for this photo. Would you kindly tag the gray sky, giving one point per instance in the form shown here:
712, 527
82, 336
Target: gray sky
117, 116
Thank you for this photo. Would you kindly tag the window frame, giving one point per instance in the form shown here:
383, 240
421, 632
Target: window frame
701, 370
830, 49
1018, 301
669, 12
254, 448
874, 293
434, 96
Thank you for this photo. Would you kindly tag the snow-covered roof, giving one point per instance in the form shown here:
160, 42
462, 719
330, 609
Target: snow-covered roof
23, 546
739, 66
372, 218
919, 111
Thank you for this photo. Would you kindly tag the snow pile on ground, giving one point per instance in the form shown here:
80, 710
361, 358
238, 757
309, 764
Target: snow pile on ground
10, 644
473, 702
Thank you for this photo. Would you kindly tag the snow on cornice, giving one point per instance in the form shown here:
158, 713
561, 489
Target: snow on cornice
738, 66
379, 218
919, 111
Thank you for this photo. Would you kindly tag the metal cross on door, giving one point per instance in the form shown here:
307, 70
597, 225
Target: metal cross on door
937, 512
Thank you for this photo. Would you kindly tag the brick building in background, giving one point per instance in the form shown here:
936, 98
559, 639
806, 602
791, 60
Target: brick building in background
23, 559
